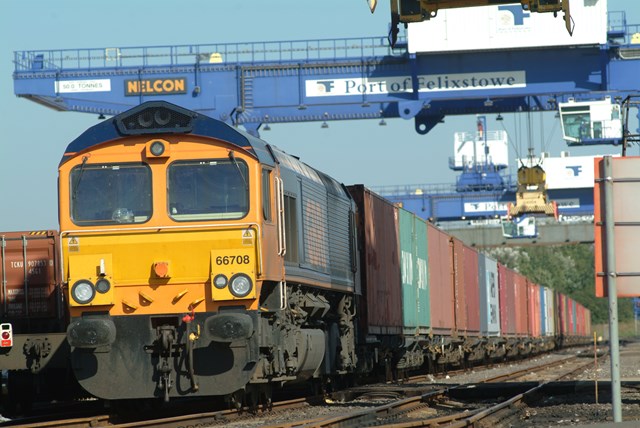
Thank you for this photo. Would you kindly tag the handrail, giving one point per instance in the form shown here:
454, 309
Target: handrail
431, 189
206, 54
231, 53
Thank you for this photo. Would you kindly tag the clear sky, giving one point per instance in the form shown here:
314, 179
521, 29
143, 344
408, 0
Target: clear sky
34, 137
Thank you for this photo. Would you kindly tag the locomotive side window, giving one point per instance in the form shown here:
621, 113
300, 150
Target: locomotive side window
208, 190
266, 194
105, 194
291, 223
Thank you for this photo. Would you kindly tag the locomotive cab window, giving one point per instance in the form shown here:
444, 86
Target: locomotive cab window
266, 194
110, 194
291, 224
208, 189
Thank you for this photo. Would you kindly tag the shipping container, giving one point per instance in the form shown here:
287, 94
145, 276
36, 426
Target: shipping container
580, 331
379, 262
586, 326
414, 270
573, 328
472, 290
30, 293
489, 301
505, 30
547, 311
440, 278
534, 312
508, 308
521, 304
457, 283
562, 320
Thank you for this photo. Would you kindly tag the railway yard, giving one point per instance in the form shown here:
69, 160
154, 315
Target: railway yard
202, 276
554, 389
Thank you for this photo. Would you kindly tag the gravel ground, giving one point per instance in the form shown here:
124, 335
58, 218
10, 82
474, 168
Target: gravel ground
580, 408
629, 364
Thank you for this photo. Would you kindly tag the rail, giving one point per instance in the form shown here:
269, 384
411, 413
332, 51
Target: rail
205, 54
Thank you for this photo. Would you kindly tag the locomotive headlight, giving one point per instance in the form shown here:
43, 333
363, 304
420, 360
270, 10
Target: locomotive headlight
157, 148
240, 285
220, 281
83, 292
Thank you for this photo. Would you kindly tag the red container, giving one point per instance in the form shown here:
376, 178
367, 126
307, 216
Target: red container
572, 316
521, 303
458, 285
440, 282
508, 308
472, 290
534, 314
580, 330
380, 262
563, 324
30, 279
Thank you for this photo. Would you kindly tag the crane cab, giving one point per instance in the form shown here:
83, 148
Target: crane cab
591, 122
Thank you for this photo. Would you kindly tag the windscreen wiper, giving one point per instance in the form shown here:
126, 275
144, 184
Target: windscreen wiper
77, 183
235, 162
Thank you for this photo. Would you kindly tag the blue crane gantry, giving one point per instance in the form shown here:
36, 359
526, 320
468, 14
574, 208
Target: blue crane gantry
257, 84
253, 84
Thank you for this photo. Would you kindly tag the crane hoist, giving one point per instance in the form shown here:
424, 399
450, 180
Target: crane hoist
531, 201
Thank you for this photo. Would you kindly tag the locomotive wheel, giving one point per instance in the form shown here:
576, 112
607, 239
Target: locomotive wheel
236, 399
252, 397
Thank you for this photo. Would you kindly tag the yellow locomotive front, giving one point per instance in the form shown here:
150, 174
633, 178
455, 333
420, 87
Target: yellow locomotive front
164, 221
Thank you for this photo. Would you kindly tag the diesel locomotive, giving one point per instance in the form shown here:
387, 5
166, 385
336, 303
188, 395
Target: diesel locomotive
198, 260
202, 261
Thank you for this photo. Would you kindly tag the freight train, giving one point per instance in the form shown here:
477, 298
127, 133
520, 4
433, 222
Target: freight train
197, 260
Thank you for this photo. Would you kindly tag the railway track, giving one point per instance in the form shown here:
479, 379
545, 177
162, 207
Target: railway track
399, 405
395, 414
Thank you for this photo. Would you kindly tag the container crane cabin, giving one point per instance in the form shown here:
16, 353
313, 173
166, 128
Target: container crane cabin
591, 122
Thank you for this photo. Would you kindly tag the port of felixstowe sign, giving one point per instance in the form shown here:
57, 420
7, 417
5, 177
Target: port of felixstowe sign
425, 83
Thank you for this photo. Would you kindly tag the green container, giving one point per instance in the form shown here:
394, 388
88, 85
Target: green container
416, 317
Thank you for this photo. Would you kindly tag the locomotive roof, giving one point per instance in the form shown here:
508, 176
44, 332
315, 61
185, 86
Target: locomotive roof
167, 118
